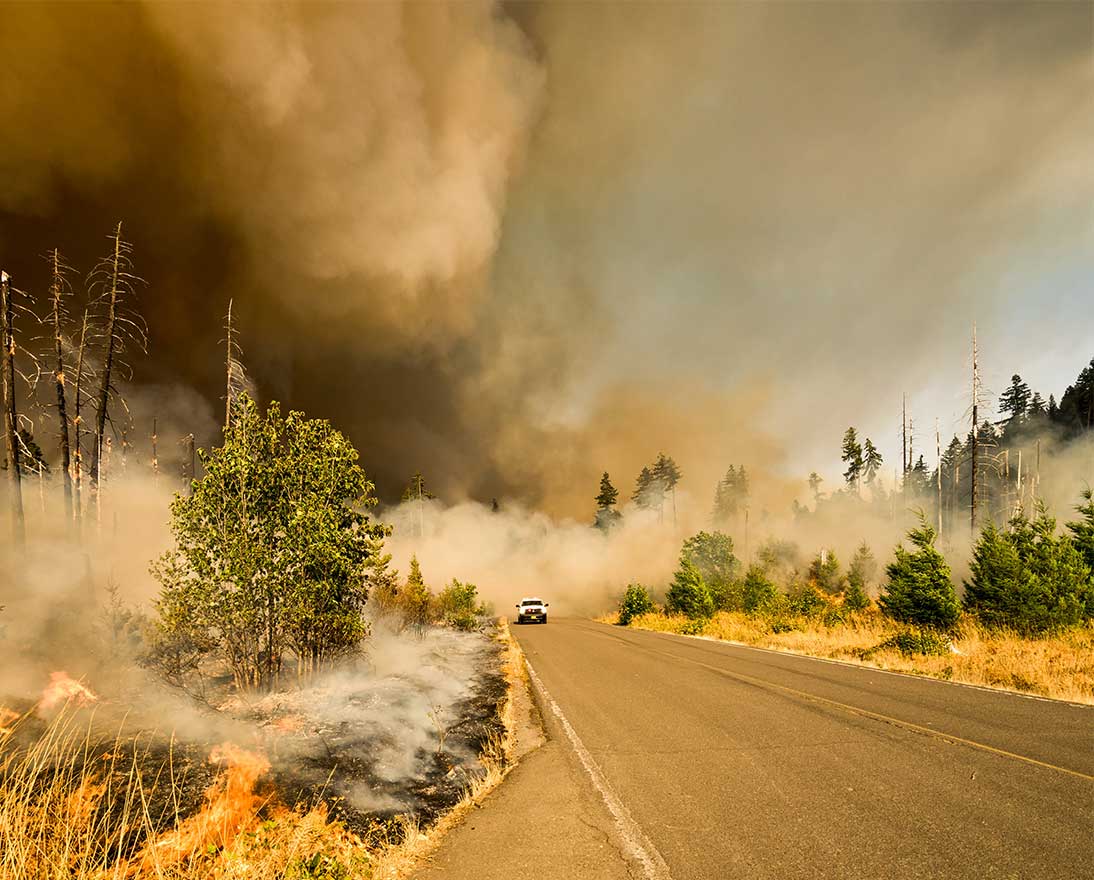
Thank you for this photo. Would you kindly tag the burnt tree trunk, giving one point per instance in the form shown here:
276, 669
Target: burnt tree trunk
11, 416
78, 425
111, 330
57, 290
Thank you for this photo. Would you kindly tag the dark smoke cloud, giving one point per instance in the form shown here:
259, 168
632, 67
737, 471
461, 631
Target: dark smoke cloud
514, 246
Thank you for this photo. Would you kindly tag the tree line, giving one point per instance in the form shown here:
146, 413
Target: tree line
1028, 578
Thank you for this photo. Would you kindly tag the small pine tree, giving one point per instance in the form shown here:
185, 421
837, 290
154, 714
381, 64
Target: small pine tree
757, 591
825, 574
862, 572
920, 590
416, 599
1028, 578
689, 594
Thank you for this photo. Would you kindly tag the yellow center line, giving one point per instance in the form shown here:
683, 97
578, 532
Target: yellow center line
877, 716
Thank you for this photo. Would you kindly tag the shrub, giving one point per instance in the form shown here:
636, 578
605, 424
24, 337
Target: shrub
635, 602
913, 642
689, 594
855, 599
807, 601
1027, 578
920, 590
757, 591
458, 606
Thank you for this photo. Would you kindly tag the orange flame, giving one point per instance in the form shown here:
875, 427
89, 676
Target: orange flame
62, 689
231, 807
7, 720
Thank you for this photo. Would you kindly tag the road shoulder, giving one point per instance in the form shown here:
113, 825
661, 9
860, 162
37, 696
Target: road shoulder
545, 821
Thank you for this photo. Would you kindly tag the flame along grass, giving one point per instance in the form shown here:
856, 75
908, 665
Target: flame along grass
1059, 666
73, 806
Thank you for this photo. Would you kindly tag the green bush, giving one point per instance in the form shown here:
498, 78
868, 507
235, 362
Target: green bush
694, 627
916, 642
458, 606
689, 594
635, 602
1027, 578
712, 554
757, 591
855, 598
807, 601
920, 591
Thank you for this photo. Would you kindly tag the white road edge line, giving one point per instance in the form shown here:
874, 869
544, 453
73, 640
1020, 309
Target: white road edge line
638, 847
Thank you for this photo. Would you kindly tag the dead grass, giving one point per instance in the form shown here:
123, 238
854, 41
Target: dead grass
1060, 666
71, 808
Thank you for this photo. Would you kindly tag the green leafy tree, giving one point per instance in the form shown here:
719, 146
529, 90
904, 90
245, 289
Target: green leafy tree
606, 515
920, 590
273, 549
824, 573
689, 594
712, 554
860, 575
1027, 578
852, 457
636, 601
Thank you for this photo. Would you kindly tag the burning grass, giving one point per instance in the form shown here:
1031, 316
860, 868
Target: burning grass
1060, 666
78, 803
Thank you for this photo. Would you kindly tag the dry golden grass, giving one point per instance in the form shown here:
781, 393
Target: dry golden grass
1059, 666
71, 808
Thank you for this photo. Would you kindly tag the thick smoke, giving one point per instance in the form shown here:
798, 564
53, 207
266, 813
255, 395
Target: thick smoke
512, 247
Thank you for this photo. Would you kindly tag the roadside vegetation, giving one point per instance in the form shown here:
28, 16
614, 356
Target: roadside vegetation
1024, 621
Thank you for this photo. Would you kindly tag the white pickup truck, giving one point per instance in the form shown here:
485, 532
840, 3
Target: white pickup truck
532, 611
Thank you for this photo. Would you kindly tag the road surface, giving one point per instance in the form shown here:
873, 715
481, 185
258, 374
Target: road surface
686, 758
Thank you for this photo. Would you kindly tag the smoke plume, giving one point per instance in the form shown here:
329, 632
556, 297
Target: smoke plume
514, 246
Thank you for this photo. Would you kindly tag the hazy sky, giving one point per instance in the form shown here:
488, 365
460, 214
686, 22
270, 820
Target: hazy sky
515, 246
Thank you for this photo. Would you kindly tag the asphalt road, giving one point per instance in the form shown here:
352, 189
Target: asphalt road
717, 761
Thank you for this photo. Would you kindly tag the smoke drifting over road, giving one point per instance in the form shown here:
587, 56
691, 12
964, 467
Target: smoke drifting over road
512, 246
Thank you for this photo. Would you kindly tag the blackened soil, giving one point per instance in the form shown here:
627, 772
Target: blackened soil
346, 766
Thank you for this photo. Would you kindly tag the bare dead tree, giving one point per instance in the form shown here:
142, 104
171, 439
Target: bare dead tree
975, 433
11, 411
236, 374
59, 291
77, 419
938, 471
113, 288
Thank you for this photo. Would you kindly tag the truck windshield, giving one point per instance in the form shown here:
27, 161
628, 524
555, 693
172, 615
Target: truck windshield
531, 602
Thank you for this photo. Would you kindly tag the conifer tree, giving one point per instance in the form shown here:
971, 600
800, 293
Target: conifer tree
606, 514
1014, 402
666, 475
645, 490
860, 575
871, 461
824, 572
920, 590
689, 594
852, 457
